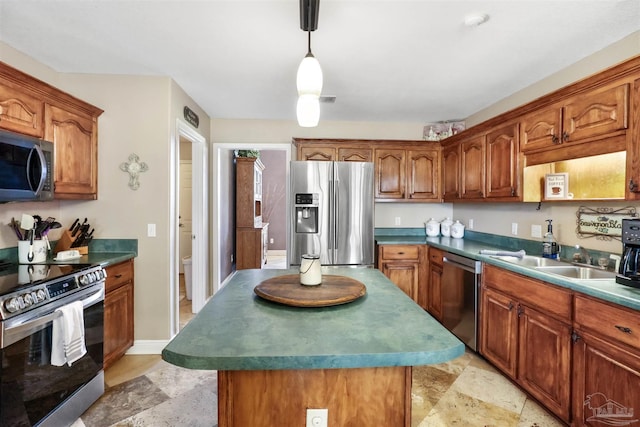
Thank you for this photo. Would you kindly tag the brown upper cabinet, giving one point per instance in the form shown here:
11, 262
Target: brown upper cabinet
32, 107
404, 170
472, 168
502, 167
19, 111
483, 167
586, 117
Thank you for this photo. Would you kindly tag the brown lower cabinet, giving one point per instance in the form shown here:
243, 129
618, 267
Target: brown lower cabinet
118, 311
405, 265
606, 368
526, 333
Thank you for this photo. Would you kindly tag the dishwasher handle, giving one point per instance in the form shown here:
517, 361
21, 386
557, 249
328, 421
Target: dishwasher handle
464, 263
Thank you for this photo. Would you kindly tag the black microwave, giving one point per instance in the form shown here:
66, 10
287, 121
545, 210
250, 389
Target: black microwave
26, 168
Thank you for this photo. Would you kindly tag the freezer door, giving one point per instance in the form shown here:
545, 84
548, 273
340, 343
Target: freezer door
311, 177
353, 240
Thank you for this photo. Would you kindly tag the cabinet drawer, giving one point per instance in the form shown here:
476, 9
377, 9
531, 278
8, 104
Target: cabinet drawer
553, 300
610, 321
118, 275
435, 256
400, 252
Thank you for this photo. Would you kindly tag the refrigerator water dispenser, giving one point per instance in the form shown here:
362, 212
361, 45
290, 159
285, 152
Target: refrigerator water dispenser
306, 213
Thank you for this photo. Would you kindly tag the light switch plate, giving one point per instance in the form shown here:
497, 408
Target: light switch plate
536, 231
151, 230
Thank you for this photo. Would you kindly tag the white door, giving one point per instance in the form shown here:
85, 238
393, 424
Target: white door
184, 218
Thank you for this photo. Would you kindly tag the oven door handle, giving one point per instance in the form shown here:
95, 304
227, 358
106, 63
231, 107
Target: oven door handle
15, 333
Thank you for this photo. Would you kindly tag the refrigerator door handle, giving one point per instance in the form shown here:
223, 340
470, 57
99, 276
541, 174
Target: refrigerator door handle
332, 215
336, 209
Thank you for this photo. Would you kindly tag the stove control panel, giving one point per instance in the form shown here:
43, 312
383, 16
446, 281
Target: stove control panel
30, 297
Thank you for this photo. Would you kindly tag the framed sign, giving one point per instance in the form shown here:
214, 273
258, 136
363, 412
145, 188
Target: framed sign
556, 186
602, 223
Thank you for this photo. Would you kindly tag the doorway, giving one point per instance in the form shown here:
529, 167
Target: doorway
224, 203
189, 219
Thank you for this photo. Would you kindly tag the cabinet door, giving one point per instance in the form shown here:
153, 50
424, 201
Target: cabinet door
118, 323
606, 382
472, 171
74, 138
434, 293
20, 112
422, 175
541, 129
499, 330
596, 114
404, 274
544, 360
390, 174
317, 153
502, 162
355, 154
451, 172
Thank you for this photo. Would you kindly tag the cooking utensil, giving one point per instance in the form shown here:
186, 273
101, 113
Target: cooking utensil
26, 222
74, 224
16, 228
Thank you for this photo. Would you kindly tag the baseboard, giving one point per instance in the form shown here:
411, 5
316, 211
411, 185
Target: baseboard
276, 252
148, 346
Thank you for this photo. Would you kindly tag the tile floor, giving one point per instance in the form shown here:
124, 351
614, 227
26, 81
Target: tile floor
467, 391
146, 391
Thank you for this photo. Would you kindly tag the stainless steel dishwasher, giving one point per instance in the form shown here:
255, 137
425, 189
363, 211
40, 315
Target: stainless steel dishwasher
460, 293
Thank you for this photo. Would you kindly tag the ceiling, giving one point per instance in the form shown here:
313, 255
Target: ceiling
394, 61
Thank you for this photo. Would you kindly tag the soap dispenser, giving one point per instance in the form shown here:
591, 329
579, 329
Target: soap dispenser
550, 247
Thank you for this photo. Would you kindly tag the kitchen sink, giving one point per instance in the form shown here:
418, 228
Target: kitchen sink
576, 272
529, 260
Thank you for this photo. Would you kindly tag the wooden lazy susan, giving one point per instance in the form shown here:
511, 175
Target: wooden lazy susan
334, 290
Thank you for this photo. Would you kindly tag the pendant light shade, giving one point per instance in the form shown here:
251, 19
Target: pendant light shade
309, 79
308, 110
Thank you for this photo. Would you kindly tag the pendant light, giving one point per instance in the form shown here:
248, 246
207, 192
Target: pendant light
309, 77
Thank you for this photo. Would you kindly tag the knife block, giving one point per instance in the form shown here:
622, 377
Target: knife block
65, 243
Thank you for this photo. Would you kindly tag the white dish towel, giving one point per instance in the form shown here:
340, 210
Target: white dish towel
68, 335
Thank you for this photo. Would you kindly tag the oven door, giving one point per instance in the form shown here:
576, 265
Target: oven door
31, 389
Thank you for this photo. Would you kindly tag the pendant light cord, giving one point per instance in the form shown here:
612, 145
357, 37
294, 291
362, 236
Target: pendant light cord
309, 44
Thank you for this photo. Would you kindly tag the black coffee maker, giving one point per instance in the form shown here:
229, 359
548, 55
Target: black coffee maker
629, 271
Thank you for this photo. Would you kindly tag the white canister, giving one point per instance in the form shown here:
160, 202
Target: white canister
445, 227
432, 228
310, 272
38, 251
457, 230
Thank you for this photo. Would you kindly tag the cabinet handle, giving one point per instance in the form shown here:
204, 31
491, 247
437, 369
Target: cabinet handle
565, 136
513, 192
555, 139
575, 337
400, 253
633, 187
118, 276
510, 306
623, 329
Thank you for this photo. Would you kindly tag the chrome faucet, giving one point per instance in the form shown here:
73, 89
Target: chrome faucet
585, 255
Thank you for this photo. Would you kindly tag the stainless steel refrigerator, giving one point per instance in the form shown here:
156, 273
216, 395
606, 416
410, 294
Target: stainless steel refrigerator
332, 212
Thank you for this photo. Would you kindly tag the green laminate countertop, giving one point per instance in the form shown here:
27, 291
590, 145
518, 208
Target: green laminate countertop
606, 290
237, 330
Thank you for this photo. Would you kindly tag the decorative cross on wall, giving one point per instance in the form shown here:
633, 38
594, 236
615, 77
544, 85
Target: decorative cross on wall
134, 168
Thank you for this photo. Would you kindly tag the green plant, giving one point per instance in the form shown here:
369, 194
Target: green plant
248, 153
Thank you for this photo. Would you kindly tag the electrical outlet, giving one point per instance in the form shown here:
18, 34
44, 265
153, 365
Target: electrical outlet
231, 258
151, 230
536, 231
514, 228
271, 241
470, 224
317, 417
398, 220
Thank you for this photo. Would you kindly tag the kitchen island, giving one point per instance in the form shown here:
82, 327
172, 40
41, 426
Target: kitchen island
276, 361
